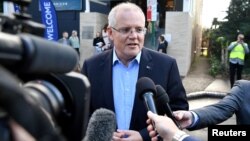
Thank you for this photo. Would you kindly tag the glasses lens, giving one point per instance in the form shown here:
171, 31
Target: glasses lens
128, 30
140, 30
125, 30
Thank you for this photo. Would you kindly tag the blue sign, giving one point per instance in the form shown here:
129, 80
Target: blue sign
49, 19
67, 4
17, 8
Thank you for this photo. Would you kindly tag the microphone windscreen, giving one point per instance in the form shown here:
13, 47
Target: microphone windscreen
145, 84
101, 126
161, 94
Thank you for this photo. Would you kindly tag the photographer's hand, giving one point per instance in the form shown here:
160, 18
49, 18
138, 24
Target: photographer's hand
19, 133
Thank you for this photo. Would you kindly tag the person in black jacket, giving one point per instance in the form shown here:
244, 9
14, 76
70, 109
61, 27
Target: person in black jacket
163, 44
113, 74
98, 43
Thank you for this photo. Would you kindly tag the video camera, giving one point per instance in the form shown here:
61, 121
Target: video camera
38, 86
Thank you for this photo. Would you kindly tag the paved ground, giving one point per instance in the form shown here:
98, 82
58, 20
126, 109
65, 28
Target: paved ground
202, 89
198, 78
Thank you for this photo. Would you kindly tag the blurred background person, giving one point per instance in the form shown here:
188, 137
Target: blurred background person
98, 43
74, 41
64, 40
237, 51
162, 47
105, 37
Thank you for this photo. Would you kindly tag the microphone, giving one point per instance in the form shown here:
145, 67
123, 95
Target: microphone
34, 54
162, 101
101, 126
145, 87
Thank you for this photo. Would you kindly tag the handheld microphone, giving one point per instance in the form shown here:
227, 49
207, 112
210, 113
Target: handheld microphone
145, 87
101, 126
34, 54
162, 101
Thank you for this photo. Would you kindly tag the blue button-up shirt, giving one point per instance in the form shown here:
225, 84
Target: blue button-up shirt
124, 86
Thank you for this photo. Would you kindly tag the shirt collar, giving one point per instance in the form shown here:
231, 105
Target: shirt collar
116, 59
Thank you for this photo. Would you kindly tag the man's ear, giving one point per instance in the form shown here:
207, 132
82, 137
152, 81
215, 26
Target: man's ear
110, 33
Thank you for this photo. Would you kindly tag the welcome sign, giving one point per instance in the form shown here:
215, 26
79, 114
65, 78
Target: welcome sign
49, 19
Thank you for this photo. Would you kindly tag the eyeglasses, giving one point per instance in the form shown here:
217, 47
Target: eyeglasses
128, 30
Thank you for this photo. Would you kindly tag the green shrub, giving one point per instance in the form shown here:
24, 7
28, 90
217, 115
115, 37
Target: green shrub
215, 66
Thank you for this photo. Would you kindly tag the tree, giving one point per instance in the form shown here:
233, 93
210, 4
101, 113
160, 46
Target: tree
238, 21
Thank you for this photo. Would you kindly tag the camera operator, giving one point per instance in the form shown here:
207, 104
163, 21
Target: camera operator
237, 51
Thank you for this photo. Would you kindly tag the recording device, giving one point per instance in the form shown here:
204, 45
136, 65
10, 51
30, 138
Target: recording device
20, 22
101, 126
145, 87
29, 54
162, 100
39, 88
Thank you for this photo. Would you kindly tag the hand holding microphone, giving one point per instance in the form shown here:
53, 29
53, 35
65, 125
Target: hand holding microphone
165, 126
145, 87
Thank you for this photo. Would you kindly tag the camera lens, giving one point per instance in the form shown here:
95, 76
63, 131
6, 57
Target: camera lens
46, 95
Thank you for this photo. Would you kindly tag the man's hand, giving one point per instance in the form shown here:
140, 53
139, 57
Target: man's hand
126, 135
19, 133
185, 118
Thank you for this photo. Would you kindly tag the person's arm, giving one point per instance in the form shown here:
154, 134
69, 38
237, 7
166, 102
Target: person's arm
231, 46
166, 43
103, 42
19, 133
94, 42
245, 47
225, 108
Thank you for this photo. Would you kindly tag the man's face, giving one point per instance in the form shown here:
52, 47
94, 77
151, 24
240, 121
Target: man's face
128, 44
240, 37
65, 35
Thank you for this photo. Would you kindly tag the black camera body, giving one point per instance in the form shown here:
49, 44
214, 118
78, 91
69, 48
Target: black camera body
65, 97
39, 88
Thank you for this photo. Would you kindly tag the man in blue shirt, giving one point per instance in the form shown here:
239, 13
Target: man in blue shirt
113, 74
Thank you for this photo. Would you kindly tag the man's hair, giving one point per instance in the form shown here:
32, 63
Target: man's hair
122, 6
162, 37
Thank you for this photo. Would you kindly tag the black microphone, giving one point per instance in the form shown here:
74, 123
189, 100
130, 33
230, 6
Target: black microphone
101, 126
162, 100
145, 87
33, 54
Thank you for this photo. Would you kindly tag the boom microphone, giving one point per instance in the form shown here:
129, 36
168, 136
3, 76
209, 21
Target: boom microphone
34, 54
145, 87
162, 101
101, 126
